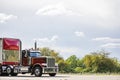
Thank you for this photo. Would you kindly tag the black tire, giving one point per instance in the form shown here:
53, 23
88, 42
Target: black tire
38, 71
8, 70
14, 74
52, 74
23, 73
0, 71
5, 74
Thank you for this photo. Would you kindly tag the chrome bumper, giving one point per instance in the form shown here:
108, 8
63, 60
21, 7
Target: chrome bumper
50, 70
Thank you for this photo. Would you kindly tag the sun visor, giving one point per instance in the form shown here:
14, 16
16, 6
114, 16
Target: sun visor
10, 44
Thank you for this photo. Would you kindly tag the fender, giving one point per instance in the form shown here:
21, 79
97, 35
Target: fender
37, 64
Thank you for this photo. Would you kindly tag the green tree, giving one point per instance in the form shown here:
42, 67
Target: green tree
99, 62
45, 51
79, 69
64, 67
95, 62
48, 52
72, 62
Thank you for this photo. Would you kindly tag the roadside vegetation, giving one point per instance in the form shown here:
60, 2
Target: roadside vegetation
94, 62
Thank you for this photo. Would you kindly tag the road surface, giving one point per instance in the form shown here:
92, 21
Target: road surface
62, 77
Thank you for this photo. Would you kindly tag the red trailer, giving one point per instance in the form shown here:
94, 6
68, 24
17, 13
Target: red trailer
10, 50
13, 60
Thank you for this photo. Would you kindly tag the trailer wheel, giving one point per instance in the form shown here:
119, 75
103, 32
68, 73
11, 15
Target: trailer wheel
0, 71
8, 70
52, 74
38, 71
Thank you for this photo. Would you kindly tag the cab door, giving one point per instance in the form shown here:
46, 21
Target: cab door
25, 56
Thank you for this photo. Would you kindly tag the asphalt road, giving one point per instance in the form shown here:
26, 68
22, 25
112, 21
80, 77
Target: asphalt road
62, 77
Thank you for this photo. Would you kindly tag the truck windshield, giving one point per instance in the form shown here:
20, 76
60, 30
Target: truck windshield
35, 54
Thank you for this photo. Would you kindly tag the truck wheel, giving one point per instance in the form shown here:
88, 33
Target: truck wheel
38, 71
52, 74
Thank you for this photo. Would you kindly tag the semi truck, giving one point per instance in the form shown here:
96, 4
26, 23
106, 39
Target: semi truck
14, 60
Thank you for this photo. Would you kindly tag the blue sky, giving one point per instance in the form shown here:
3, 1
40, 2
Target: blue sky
69, 27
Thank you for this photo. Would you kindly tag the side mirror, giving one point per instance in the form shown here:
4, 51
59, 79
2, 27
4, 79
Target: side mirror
24, 53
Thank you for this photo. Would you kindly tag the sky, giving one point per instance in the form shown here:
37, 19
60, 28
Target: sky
69, 27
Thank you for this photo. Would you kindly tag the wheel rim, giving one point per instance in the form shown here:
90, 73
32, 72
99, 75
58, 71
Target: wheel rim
8, 70
37, 71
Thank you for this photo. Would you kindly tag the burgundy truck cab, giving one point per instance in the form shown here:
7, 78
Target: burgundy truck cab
37, 64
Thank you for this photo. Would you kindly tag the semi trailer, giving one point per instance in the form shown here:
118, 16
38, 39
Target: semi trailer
14, 60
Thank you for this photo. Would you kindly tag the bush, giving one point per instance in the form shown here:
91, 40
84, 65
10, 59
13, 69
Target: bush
78, 69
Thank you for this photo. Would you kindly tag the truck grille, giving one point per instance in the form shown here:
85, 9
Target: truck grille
51, 62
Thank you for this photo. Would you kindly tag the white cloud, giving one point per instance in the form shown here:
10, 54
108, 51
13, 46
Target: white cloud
56, 10
108, 42
79, 34
46, 41
67, 51
111, 45
107, 39
100, 13
6, 17
97, 8
52, 39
